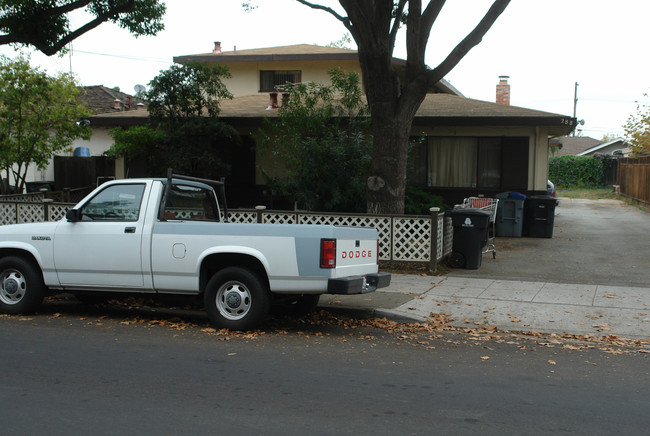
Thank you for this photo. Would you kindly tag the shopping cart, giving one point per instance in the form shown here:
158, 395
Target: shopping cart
488, 205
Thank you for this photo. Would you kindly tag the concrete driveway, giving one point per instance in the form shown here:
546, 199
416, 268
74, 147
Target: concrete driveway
603, 242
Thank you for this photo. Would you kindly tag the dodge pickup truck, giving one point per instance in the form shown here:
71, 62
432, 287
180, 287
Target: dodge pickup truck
172, 236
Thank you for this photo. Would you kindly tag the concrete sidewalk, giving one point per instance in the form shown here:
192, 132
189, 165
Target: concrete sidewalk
509, 304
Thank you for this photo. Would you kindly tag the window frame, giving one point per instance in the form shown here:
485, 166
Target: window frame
277, 79
114, 216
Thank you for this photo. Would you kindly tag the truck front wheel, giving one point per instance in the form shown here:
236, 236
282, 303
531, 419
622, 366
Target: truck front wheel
236, 299
21, 286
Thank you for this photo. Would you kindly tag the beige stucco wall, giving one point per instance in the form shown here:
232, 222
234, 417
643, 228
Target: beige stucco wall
245, 78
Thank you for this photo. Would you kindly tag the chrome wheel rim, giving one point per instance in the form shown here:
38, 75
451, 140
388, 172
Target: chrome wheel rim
13, 286
233, 300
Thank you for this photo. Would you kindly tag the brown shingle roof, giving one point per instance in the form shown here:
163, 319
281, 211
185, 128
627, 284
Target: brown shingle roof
436, 109
100, 99
573, 144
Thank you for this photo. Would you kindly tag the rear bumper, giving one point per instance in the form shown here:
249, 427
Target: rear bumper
358, 284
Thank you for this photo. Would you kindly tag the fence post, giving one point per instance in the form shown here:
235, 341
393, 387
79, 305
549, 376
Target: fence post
433, 258
258, 212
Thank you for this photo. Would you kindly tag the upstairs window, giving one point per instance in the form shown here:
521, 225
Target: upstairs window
270, 79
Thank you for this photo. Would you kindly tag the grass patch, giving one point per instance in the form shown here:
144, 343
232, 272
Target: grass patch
589, 193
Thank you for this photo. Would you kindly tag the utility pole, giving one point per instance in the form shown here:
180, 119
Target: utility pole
575, 105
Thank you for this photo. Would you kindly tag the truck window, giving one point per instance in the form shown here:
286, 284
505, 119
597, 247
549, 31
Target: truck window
115, 203
191, 203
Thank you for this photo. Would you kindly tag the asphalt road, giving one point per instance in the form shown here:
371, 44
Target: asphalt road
604, 242
67, 371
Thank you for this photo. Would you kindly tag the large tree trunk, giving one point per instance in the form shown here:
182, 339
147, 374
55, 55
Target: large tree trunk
387, 176
394, 96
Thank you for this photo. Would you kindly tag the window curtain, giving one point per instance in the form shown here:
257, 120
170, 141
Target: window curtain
452, 162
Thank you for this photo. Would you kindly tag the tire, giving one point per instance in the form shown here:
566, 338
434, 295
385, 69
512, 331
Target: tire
21, 286
236, 299
456, 260
296, 306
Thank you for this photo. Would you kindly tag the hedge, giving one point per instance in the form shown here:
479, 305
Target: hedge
579, 171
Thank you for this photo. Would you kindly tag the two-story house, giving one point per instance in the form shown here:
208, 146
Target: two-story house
471, 147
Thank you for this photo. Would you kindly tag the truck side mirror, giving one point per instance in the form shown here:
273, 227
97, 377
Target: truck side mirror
73, 215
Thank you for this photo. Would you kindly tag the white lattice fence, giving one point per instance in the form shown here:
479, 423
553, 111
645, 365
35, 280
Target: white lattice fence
7, 213
31, 213
57, 211
412, 239
242, 217
401, 238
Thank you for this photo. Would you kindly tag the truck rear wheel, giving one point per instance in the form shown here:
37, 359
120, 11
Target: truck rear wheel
21, 286
236, 299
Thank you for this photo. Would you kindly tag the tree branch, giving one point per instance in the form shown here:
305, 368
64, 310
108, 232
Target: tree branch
399, 13
110, 14
470, 41
342, 19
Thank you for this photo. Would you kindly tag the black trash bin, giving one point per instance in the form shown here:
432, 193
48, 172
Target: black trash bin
470, 236
540, 216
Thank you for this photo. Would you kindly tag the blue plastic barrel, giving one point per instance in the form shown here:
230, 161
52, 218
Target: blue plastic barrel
81, 152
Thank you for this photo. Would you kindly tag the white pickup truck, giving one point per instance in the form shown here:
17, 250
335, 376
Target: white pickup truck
170, 236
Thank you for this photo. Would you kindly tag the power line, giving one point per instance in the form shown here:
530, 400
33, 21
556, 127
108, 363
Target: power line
133, 58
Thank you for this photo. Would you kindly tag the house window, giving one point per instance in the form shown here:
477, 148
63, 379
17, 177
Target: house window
470, 162
270, 79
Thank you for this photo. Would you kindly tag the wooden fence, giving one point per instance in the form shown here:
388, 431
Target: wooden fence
634, 178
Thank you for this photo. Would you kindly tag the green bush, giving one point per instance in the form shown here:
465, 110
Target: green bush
418, 201
579, 171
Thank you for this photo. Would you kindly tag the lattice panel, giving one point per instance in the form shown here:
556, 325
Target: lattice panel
30, 213
412, 239
25, 198
449, 236
7, 213
242, 217
279, 218
57, 211
440, 237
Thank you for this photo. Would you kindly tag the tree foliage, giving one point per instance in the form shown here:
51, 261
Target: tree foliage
637, 130
180, 135
187, 90
395, 94
39, 116
45, 24
321, 140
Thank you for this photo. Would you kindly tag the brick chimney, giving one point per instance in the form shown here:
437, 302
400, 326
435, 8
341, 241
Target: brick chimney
217, 47
503, 91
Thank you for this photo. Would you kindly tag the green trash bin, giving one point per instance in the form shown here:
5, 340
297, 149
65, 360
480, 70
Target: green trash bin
510, 215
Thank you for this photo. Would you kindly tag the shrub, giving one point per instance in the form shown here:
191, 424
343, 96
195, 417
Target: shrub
418, 201
579, 171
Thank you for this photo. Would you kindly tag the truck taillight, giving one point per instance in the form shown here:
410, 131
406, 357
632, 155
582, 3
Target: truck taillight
328, 253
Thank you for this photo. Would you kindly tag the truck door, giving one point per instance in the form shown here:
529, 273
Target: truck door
104, 248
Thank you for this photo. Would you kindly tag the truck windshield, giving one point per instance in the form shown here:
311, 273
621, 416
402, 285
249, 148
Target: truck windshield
187, 202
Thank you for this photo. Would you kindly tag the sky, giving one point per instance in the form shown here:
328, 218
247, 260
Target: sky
544, 46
